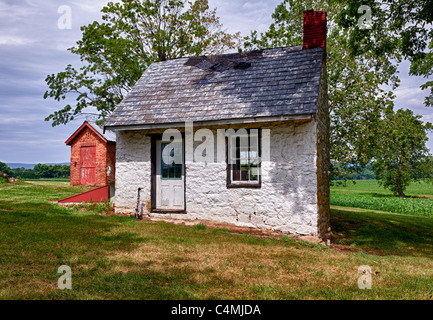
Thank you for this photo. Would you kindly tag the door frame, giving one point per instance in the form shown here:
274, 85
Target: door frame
153, 174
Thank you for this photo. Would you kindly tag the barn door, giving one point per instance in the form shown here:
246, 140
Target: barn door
170, 186
88, 165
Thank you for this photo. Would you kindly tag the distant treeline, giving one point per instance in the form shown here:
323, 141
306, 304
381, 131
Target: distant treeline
364, 174
38, 172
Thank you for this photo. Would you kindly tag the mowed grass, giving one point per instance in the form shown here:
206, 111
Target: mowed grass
114, 257
367, 194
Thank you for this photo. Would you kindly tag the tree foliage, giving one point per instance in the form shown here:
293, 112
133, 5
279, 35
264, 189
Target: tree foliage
39, 171
401, 155
4, 168
51, 171
399, 29
133, 34
357, 98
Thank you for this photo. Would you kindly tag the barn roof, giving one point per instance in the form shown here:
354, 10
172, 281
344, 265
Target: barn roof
264, 83
107, 136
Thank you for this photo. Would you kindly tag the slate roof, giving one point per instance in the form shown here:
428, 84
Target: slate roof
108, 134
262, 83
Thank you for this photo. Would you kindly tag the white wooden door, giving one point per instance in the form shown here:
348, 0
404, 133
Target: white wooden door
170, 180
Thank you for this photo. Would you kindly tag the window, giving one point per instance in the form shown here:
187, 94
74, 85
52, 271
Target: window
171, 171
243, 157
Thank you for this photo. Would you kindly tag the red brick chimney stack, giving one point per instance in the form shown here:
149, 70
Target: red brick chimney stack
314, 29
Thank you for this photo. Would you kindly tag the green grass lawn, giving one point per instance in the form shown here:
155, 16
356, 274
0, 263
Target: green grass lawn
114, 257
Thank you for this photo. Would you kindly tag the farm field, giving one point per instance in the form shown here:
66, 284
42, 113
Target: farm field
367, 194
113, 257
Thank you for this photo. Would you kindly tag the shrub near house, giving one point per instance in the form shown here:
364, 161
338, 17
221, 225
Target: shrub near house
5, 174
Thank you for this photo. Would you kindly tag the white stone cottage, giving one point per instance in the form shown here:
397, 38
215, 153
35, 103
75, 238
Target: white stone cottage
275, 99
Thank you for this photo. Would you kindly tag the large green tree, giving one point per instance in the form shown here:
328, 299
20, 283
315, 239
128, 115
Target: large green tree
398, 27
401, 155
356, 93
133, 34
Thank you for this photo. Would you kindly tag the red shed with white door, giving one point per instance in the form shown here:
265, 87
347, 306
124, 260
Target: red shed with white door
93, 155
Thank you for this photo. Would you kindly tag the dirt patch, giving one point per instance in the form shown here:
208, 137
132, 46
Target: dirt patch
262, 233
311, 239
235, 229
218, 225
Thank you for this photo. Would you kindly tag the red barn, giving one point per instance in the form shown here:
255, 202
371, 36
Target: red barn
93, 155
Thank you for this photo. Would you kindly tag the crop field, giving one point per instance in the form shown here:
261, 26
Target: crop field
114, 257
367, 194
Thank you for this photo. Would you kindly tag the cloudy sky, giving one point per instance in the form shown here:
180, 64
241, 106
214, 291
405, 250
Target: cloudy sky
32, 46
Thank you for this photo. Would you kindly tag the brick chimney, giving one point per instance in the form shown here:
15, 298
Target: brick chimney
314, 29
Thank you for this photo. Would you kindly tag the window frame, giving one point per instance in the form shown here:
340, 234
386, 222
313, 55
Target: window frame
230, 167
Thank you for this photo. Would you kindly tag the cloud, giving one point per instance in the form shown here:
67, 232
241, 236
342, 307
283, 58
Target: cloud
31, 47
32, 142
89, 7
411, 96
14, 41
245, 16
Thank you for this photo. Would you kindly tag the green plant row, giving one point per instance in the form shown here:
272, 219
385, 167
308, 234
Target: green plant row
413, 206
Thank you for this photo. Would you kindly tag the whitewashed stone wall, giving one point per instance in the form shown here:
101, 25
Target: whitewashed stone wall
133, 166
286, 201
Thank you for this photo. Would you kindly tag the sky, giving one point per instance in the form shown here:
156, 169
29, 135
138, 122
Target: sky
34, 38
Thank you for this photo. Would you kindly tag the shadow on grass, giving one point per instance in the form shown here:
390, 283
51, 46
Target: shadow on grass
381, 195
384, 233
37, 237
35, 245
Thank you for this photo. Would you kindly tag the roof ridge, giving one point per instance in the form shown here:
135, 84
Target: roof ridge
245, 53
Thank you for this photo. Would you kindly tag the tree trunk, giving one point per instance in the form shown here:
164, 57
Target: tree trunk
162, 56
400, 189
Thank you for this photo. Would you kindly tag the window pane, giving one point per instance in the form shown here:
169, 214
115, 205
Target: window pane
254, 173
164, 165
164, 173
254, 142
178, 172
253, 156
236, 175
244, 174
244, 154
